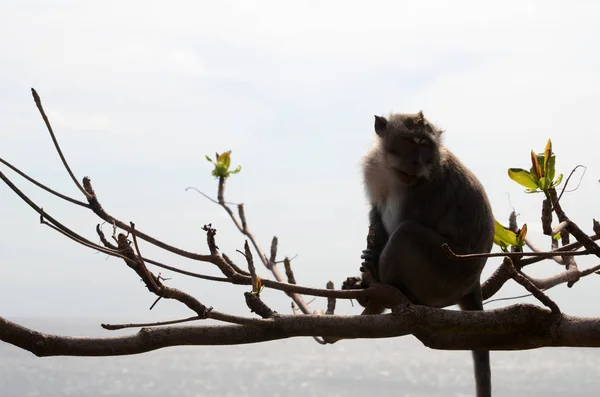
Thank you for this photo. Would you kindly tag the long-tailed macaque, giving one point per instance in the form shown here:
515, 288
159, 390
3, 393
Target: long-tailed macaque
421, 197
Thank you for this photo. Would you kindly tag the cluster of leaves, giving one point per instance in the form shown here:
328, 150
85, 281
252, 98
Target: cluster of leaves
539, 178
222, 164
506, 238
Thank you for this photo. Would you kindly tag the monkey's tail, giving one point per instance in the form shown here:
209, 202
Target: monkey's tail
483, 373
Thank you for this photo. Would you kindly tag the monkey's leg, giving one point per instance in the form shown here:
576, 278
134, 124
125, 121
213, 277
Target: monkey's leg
481, 358
414, 262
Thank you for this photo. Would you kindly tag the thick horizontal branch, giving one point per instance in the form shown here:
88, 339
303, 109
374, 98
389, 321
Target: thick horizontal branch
517, 327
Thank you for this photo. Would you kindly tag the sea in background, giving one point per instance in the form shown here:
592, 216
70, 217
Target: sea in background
292, 368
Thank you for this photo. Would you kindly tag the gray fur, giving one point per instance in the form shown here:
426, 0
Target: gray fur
422, 196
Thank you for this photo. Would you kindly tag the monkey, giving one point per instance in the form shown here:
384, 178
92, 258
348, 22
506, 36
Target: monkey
421, 196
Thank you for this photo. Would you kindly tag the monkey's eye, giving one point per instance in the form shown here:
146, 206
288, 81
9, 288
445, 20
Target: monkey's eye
402, 147
425, 155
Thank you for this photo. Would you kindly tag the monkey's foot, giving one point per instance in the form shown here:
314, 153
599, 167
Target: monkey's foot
355, 283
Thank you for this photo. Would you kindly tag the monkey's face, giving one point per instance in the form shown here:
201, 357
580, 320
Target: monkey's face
410, 146
408, 158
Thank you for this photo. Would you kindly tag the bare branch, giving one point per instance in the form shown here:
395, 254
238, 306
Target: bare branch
273, 257
330, 301
256, 305
547, 217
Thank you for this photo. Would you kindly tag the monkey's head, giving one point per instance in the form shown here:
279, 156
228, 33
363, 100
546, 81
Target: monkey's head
409, 145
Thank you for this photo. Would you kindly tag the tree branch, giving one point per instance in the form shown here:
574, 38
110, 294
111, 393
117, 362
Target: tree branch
517, 327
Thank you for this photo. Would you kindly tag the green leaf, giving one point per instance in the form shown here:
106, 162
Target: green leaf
523, 178
532, 191
544, 183
521, 236
557, 181
208, 158
557, 236
238, 169
547, 154
502, 236
550, 172
225, 159
535, 164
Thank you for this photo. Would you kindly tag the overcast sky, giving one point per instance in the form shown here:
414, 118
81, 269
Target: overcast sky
139, 91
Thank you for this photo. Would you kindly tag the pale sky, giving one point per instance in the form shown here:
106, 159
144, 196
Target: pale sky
139, 91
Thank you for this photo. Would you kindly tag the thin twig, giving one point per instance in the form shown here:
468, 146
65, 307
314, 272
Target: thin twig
564, 189
569, 247
114, 327
524, 281
162, 265
38, 103
156, 285
534, 248
84, 242
559, 228
550, 254
102, 214
250, 261
545, 284
572, 227
207, 196
288, 271
42, 186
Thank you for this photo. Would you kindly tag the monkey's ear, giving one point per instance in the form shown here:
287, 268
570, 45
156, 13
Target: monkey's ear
420, 119
380, 125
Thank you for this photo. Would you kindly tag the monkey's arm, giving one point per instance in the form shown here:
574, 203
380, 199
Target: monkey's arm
376, 241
